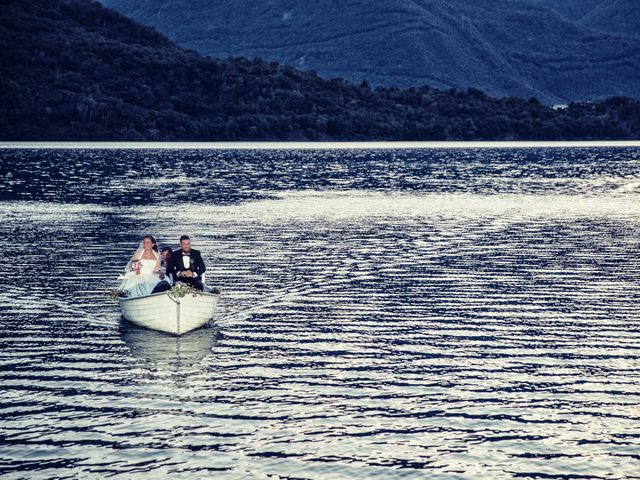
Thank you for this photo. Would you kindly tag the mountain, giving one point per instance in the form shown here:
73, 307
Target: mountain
74, 70
555, 50
617, 16
572, 9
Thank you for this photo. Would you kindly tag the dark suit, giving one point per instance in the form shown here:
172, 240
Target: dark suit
175, 267
166, 283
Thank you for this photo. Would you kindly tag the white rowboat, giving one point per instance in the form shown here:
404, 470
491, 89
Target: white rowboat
163, 312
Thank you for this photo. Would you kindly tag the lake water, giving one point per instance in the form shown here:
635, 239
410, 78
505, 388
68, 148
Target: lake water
410, 313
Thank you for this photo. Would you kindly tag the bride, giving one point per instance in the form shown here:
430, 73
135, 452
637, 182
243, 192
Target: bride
143, 271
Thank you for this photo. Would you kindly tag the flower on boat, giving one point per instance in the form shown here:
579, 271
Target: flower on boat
180, 290
115, 293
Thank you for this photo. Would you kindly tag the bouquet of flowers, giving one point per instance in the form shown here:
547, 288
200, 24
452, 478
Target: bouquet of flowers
136, 266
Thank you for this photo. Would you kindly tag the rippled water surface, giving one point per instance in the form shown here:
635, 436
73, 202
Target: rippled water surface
386, 314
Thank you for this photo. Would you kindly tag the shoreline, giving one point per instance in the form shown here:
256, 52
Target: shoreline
314, 145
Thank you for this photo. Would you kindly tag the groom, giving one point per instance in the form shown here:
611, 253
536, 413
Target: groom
186, 265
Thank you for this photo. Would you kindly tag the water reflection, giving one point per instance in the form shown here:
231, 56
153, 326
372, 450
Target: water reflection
169, 351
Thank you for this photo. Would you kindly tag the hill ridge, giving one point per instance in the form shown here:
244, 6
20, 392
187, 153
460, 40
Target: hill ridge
450, 45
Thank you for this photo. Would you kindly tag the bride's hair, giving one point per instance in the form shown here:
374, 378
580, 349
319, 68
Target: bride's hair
153, 240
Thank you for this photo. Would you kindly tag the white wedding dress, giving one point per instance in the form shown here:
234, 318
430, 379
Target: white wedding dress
140, 284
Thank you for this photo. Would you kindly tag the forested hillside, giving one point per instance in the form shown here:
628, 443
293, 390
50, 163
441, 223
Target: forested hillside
74, 70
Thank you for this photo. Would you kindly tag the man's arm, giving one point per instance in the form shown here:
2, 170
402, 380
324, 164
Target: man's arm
170, 266
199, 265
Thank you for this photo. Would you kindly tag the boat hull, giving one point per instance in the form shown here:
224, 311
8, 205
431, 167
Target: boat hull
164, 313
